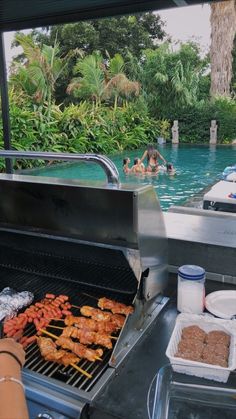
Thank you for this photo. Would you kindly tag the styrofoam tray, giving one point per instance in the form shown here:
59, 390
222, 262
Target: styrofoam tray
201, 369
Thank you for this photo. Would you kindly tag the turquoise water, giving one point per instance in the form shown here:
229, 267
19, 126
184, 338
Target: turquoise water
197, 167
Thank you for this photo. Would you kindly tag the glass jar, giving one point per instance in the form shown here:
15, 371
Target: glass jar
191, 289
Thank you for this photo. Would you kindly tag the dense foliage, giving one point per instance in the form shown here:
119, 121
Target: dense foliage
110, 85
122, 35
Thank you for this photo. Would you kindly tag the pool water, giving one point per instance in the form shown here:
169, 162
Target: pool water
197, 167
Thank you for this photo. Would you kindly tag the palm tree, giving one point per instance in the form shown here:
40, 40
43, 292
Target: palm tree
223, 28
40, 71
90, 83
102, 81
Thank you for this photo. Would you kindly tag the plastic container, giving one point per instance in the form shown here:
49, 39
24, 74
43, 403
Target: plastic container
191, 289
174, 396
201, 369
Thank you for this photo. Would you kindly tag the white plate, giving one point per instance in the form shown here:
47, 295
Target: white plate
222, 303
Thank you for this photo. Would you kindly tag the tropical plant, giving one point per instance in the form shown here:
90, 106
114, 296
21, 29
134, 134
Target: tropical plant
170, 79
102, 81
37, 76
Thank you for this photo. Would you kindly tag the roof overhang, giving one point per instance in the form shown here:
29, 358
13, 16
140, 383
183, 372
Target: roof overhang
23, 14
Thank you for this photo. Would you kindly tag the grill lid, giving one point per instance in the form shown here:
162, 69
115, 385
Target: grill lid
127, 218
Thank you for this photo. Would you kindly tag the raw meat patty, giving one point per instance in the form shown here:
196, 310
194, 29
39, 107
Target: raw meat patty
193, 332
191, 345
217, 336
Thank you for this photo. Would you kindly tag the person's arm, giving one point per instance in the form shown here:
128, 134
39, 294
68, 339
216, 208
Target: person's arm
12, 396
143, 156
162, 158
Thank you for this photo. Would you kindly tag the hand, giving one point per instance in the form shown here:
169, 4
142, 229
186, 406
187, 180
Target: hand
15, 348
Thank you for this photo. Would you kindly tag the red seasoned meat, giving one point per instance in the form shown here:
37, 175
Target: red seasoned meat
193, 332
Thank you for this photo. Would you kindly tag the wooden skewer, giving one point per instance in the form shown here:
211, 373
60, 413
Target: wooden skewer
56, 337
81, 370
72, 305
49, 334
62, 328
55, 327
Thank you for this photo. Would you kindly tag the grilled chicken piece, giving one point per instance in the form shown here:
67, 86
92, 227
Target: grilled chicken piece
88, 337
116, 308
49, 352
90, 324
99, 315
79, 349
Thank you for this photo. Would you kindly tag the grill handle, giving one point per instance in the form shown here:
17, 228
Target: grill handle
106, 164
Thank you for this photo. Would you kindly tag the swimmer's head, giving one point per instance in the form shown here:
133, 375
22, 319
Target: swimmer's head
126, 160
136, 160
169, 166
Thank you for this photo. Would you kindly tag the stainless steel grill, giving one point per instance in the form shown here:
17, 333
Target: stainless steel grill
64, 237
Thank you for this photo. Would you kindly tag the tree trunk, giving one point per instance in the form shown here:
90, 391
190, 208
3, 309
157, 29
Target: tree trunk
223, 28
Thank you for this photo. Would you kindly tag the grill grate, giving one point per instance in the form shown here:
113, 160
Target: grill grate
112, 272
40, 286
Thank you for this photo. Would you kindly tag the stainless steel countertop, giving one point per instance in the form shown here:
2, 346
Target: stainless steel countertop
219, 231
126, 396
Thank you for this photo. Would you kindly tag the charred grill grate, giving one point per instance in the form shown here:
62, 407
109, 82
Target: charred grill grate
107, 270
40, 286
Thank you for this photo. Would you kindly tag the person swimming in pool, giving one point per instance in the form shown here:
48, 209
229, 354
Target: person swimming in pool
126, 163
170, 169
138, 166
152, 155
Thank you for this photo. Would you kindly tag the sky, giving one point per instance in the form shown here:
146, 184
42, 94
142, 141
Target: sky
182, 24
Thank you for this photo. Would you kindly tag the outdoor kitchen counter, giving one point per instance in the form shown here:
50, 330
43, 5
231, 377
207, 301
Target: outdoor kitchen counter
126, 396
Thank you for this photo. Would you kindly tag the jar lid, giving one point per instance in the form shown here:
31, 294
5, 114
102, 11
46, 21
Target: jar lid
191, 272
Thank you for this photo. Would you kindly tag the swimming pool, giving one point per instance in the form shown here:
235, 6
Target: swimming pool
197, 167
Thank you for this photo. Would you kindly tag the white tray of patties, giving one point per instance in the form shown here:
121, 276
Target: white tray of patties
202, 369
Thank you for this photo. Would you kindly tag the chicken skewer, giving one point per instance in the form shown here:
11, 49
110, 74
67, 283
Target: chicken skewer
97, 314
49, 352
82, 329
78, 349
114, 306
87, 337
93, 325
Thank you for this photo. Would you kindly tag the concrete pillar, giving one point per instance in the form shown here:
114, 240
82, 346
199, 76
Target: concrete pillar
175, 132
213, 132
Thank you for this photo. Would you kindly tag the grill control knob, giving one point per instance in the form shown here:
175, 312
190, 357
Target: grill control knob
44, 415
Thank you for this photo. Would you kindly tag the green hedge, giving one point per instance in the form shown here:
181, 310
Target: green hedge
195, 121
81, 128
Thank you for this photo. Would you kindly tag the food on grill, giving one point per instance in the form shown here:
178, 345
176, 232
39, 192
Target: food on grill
217, 336
12, 301
193, 332
50, 352
97, 314
90, 324
40, 314
210, 348
116, 308
79, 349
87, 337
